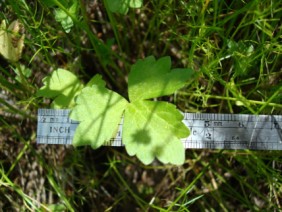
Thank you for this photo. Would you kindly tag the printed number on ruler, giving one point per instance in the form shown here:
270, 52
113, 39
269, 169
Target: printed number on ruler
207, 131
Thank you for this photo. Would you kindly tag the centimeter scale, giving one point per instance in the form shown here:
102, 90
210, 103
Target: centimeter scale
207, 131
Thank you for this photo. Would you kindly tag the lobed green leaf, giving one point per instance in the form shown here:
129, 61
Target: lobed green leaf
62, 86
96, 80
65, 20
155, 78
99, 111
153, 129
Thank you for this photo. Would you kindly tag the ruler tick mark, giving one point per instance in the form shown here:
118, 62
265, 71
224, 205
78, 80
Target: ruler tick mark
208, 131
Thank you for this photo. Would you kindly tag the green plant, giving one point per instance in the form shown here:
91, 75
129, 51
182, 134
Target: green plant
64, 18
62, 86
239, 77
122, 6
68, 9
151, 129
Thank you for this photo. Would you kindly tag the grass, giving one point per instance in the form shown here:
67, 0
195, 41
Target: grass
235, 46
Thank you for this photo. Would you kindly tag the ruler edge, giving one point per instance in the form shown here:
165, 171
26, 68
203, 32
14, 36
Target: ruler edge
196, 116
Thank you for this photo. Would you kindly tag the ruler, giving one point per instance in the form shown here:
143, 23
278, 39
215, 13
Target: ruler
207, 131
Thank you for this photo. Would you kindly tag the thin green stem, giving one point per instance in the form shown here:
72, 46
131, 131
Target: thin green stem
256, 102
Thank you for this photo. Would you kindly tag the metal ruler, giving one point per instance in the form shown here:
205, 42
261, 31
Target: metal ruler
207, 131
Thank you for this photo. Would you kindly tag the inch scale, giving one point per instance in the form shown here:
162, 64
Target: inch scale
207, 131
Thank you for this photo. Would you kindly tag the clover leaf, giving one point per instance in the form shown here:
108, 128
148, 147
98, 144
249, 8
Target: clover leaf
62, 86
151, 129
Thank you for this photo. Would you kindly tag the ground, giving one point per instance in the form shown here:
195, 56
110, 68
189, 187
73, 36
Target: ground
235, 48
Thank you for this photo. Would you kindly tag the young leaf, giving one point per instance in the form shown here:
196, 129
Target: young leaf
62, 86
65, 20
122, 6
155, 78
11, 44
22, 72
153, 129
242, 55
99, 111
